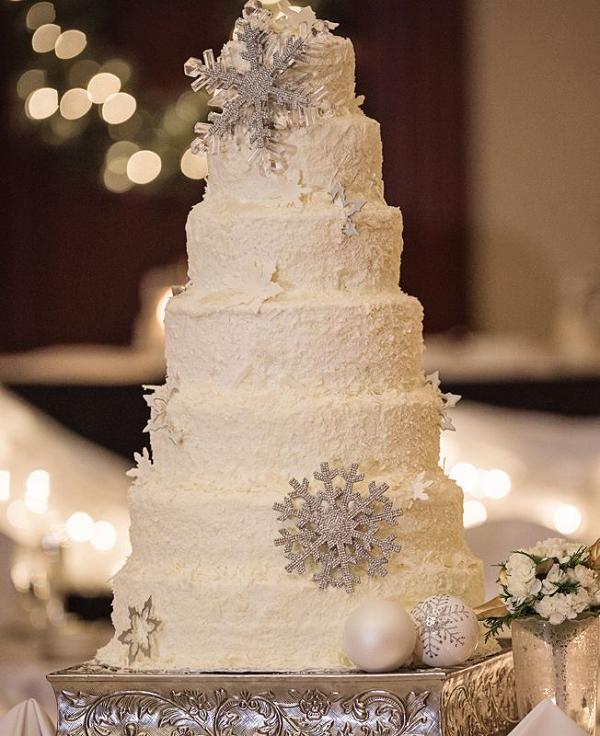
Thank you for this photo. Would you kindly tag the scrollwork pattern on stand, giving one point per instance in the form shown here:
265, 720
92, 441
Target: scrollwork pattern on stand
195, 713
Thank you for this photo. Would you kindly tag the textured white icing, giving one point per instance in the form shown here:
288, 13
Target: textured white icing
242, 435
340, 343
344, 148
229, 583
292, 345
259, 251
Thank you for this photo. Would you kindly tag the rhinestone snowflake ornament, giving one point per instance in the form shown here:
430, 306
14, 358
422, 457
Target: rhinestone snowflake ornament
337, 529
260, 97
139, 637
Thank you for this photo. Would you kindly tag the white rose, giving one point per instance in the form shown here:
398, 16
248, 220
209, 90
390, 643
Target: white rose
521, 582
551, 608
583, 575
553, 579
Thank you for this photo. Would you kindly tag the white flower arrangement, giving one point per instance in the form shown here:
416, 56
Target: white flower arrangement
555, 580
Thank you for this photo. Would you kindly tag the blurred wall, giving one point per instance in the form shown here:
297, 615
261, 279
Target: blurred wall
534, 157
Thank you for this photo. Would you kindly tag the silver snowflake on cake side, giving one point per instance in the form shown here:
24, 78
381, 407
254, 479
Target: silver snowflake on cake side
447, 401
337, 529
438, 620
160, 418
261, 95
350, 207
140, 635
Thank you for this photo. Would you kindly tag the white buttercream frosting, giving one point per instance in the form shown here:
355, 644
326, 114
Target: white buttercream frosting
291, 345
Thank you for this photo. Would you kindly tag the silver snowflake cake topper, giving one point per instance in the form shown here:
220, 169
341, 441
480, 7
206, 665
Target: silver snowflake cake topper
258, 93
141, 632
337, 529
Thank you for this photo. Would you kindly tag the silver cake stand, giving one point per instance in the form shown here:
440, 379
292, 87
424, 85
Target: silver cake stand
477, 699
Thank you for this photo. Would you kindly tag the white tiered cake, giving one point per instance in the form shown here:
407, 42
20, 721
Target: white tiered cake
291, 346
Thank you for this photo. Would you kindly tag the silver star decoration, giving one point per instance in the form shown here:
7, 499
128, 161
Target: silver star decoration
256, 97
437, 620
447, 401
419, 486
350, 206
141, 632
143, 465
160, 419
337, 529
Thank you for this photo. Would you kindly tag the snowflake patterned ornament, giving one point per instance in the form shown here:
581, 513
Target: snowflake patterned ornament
337, 529
140, 635
259, 94
447, 631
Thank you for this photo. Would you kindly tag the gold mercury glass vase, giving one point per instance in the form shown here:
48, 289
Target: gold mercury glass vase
558, 663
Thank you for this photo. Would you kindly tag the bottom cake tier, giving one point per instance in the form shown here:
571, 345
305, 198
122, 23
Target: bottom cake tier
206, 588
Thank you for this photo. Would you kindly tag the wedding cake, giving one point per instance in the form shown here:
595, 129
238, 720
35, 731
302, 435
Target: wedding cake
295, 445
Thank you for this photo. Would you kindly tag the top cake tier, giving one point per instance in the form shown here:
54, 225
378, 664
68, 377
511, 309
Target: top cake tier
326, 142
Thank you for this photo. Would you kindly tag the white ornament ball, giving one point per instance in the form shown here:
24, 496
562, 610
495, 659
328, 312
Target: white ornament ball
379, 636
447, 631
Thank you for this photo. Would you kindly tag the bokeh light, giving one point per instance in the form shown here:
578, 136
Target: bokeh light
44, 38
40, 14
70, 44
115, 181
102, 85
75, 103
474, 514
194, 166
496, 483
567, 519
466, 476
17, 514
119, 68
80, 526
29, 81
103, 536
37, 491
118, 108
42, 103
143, 167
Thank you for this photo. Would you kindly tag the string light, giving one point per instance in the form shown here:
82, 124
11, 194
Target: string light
82, 71
70, 44
75, 103
119, 68
16, 513
102, 85
194, 166
474, 514
40, 14
80, 526
116, 182
4, 485
118, 108
465, 475
29, 81
567, 519
103, 536
143, 167
42, 103
44, 38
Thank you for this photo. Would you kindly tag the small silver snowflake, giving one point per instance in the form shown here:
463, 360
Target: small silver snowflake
256, 97
337, 528
143, 465
140, 635
351, 207
438, 620
419, 486
161, 419
447, 401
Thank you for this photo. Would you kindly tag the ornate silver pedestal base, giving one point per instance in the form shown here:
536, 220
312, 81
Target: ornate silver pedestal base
477, 699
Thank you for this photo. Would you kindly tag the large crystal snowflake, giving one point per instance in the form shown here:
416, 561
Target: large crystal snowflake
337, 529
256, 96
